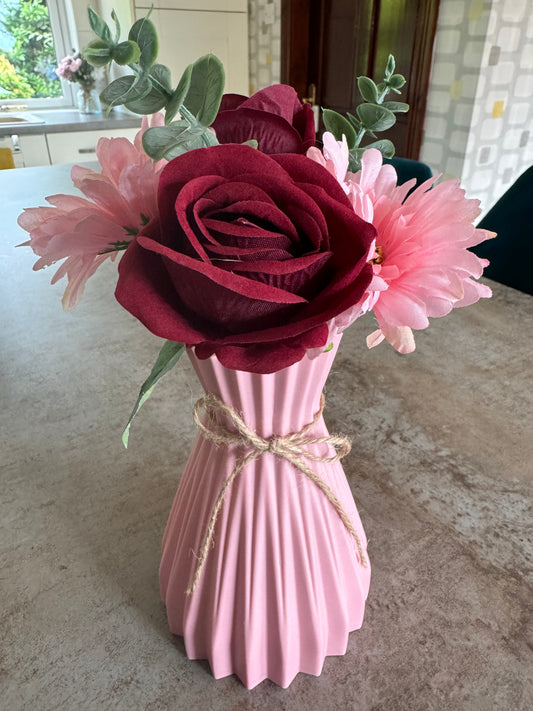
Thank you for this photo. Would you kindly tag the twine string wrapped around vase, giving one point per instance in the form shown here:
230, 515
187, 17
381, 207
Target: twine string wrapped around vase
292, 447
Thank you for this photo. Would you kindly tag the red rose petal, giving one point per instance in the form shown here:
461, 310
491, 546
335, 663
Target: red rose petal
272, 133
240, 285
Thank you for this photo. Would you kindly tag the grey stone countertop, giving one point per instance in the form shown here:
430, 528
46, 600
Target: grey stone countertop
69, 120
441, 470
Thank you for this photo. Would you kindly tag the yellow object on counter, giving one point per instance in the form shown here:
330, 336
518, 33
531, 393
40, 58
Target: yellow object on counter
6, 159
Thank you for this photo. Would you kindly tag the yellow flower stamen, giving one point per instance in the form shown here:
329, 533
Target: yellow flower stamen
379, 259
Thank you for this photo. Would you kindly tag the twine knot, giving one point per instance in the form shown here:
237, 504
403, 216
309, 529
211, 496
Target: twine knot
292, 447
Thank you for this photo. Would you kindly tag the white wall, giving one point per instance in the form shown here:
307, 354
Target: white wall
264, 34
479, 120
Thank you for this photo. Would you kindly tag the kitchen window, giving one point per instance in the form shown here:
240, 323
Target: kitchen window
34, 36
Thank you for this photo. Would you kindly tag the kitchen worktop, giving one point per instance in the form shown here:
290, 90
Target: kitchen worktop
441, 470
67, 120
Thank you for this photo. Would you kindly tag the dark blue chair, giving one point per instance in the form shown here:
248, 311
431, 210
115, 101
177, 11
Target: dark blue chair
511, 252
407, 169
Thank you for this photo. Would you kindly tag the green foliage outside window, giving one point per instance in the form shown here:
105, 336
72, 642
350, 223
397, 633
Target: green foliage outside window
31, 51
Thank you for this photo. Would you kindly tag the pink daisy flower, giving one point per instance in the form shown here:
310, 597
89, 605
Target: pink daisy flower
422, 266
85, 232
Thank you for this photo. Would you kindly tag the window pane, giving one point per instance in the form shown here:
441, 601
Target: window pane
27, 51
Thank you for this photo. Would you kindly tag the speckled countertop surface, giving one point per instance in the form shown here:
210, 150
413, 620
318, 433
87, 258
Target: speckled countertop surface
68, 120
441, 469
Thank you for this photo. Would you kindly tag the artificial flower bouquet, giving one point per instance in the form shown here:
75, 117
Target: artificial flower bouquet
77, 70
247, 244
241, 237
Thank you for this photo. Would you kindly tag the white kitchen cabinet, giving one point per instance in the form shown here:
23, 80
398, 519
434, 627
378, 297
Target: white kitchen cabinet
28, 151
186, 34
78, 146
34, 150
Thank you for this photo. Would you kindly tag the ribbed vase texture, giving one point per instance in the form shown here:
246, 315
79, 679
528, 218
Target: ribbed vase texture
283, 585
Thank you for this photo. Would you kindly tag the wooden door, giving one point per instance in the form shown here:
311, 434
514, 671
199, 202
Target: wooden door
329, 43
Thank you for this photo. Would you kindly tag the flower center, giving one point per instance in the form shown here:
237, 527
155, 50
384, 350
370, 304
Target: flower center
380, 258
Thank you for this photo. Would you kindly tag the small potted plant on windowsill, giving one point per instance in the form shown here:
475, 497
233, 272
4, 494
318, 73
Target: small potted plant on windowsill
77, 70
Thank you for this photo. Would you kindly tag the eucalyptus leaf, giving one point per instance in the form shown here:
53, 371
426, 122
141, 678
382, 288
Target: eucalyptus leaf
159, 139
375, 117
115, 19
189, 143
149, 104
160, 76
338, 125
385, 147
98, 25
353, 120
144, 33
98, 53
397, 81
166, 360
178, 95
398, 107
251, 142
126, 52
125, 89
206, 89
391, 65
367, 89
354, 159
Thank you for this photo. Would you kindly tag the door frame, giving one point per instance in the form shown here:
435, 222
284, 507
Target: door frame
295, 53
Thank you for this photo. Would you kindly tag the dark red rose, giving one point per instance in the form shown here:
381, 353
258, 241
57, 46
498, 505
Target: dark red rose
273, 116
249, 259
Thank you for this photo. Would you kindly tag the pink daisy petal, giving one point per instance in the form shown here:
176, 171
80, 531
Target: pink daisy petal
85, 231
422, 267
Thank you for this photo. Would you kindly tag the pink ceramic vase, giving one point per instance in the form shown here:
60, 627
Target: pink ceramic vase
283, 583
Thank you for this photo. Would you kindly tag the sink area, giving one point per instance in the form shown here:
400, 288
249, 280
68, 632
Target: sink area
19, 119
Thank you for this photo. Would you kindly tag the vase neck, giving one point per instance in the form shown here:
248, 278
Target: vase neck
275, 403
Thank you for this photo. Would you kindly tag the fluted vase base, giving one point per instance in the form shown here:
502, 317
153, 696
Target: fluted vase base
283, 583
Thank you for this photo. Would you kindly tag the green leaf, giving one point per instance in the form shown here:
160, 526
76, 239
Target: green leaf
338, 125
144, 33
375, 117
174, 140
206, 89
126, 52
178, 95
159, 139
385, 146
367, 89
98, 26
353, 120
251, 142
98, 53
391, 65
126, 89
149, 104
354, 160
397, 81
398, 107
166, 360
114, 17
161, 76
189, 143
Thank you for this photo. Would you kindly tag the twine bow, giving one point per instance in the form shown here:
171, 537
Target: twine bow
292, 447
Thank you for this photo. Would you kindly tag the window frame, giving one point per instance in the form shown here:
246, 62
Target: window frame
65, 36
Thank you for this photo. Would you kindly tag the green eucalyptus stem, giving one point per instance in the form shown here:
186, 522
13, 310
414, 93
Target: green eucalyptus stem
207, 136
160, 87
362, 130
